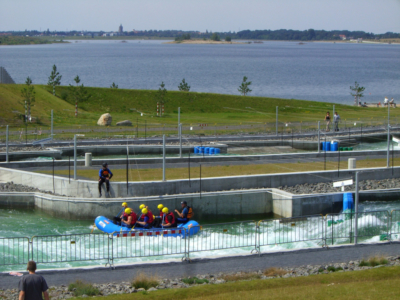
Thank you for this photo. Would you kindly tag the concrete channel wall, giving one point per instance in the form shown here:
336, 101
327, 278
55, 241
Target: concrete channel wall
208, 206
89, 189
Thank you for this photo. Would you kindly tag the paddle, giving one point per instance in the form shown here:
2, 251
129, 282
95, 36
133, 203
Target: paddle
120, 212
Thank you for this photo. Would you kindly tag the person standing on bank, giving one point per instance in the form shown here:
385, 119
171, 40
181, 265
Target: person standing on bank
328, 121
104, 176
336, 119
32, 286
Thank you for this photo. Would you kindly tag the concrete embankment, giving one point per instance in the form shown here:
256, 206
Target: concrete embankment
242, 203
89, 189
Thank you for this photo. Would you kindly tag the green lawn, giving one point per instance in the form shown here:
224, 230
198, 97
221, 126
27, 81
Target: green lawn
219, 171
379, 283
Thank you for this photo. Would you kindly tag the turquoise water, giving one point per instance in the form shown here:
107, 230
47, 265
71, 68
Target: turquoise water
79, 247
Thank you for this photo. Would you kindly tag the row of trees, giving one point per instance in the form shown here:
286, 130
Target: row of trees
281, 34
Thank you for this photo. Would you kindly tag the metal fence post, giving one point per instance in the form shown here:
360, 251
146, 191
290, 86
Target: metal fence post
180, 140
276, 124
52, 123
75, 162
319, 137
163, 157
7, 158
356, 211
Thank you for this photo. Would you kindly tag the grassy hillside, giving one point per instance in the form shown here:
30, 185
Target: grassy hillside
195, 107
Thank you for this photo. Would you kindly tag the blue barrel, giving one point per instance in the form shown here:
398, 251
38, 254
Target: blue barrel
217, 151
207, 150
201, 149
196, 150
326, 146
212, 150
334, 146
347, 201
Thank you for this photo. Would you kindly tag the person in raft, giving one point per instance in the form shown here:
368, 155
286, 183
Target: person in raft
104, 176
145, 220
158, 219
168, 220
117, 219
186, 214
130, 217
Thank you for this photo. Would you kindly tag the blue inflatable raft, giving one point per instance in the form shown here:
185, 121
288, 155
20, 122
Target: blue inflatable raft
186, 229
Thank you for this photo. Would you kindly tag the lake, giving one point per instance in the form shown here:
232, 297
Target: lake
312, 71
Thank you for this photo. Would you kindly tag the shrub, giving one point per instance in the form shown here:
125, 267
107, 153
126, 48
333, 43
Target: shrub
331, 269
80, 288
194, 280
144, 281
270, 272
373, 261
320, 270
228, 39
64, 95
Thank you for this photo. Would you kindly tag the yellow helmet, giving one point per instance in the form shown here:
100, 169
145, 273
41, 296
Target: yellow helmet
128, 211
144, 211
160, 206
124, 204
142, 206
165, 210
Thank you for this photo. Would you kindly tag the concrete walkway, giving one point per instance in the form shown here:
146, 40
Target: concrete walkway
164, 269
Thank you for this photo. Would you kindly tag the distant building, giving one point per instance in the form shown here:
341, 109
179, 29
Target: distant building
342, 36
120, 29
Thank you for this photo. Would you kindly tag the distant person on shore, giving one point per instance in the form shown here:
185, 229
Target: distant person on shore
391, 102
327, 120
336, 119
386, 101
104, 176
32, 286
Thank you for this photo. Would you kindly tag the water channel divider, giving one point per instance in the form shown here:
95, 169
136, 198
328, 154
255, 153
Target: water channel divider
331, 229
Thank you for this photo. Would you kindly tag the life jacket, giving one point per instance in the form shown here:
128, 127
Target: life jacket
149, 215
165, 220
133, 215
190, 213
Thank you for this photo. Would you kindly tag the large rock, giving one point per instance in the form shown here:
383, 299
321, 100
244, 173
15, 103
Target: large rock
124, 123
105, 120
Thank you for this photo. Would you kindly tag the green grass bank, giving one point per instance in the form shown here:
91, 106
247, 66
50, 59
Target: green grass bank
195, 107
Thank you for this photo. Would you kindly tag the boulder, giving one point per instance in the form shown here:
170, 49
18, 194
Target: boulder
124, 123
105, 120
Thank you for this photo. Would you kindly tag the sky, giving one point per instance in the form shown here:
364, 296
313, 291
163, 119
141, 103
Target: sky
377, 16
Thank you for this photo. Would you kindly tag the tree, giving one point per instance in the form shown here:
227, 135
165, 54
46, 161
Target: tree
114, 86
54, 79
228, 39
357, 92
79, 93
244, 87
183, 86
28, 94
215, 37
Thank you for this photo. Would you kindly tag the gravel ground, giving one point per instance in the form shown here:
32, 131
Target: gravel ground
327, 187
63, 292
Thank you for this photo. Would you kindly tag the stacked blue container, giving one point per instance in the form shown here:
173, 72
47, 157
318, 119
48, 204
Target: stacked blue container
347, 201
206, 150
